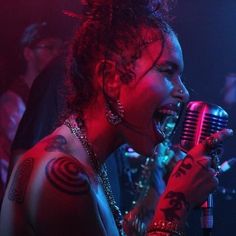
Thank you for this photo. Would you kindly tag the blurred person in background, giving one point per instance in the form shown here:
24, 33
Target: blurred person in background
46, 103
40, 44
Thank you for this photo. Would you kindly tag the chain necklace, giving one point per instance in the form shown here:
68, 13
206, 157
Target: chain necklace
77, 128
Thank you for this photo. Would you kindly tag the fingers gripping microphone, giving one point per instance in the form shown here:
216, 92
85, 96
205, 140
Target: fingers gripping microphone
201, 120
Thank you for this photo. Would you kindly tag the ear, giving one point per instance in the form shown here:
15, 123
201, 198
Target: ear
108, 78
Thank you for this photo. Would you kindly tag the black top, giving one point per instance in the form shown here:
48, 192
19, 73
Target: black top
46, 102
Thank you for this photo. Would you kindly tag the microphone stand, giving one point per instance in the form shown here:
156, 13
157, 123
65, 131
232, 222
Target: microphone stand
207, 216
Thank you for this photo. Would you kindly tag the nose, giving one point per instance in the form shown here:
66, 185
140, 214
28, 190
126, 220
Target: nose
181, 92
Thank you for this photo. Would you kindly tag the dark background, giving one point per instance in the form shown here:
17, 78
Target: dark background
207, 32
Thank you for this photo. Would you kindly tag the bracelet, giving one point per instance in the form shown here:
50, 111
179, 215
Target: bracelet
159, 233
168, 227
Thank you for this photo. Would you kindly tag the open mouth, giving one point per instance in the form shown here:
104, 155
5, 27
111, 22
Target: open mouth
166, 118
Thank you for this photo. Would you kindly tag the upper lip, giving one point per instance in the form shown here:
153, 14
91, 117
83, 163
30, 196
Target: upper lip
171, 106
170, 109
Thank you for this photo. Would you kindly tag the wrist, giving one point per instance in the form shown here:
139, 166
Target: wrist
164, 228
172, 207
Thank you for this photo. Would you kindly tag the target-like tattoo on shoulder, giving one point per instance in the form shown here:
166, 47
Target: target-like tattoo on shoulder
56, 143
66, 175
20, 181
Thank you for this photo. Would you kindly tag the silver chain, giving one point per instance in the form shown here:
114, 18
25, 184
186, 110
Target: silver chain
77, 128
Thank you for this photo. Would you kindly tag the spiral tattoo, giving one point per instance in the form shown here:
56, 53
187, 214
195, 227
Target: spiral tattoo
67, 176
20, 181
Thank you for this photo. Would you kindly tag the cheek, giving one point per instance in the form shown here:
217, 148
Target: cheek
141, 105
158, 90
164, 88
147, 95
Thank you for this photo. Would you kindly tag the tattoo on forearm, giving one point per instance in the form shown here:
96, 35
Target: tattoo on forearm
184, 166
56, 143
177, 201
20, 181
66, 175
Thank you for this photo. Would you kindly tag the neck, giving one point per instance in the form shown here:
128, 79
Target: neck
100, 144
102, 137
91, 150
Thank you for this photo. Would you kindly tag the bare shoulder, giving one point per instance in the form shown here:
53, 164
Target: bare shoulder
54, 190
66, 175
59, 169
54, 143
61, 173
48, 166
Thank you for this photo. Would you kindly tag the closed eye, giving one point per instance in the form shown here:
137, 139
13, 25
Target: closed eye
168, 70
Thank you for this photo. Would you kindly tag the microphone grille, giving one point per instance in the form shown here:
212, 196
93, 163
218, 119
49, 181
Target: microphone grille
201, 120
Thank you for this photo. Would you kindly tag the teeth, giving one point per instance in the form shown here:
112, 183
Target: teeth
158, 124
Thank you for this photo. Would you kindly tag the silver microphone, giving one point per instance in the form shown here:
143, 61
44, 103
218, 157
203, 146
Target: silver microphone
201, 120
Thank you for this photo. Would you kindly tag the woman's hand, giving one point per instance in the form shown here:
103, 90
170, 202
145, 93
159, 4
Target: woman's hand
191, 181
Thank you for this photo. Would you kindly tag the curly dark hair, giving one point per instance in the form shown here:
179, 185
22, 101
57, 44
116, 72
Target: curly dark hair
108, 29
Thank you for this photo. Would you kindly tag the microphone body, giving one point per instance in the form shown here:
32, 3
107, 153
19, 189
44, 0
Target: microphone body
201, 120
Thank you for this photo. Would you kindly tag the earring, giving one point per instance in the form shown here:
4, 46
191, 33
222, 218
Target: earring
114, 116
